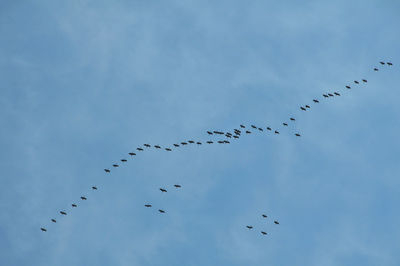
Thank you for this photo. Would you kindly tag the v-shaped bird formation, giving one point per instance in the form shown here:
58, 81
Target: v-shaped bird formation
235, 135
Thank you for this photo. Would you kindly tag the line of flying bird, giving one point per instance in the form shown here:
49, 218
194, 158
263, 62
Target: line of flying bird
228, 135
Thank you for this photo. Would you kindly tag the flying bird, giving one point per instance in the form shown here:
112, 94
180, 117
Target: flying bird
43, 229
157, 147
177, 186
364, 80
285, 124
147, 205
249, 226
53, 220
242, 126
132, 153
83, 198
191, 141
176, 145
268, 128
225, 141
348, 87
210, 142
236, 137
253, 126
248, 132
302, 108
276, 132
389, 63
375, 69
63, 213
326, 96
292, 119
198, 143
220, 141
316, 101
74, 205
147, 145
139, 149
167, 149
264, 216
307, 106
260, 129
337, 93
330, 94
163, 190
115, 165
382, 63
161, 211
297, 134
209, 132
184, 143
276, 222
107, 170
94, 188
264, 233
123, 160
356, 82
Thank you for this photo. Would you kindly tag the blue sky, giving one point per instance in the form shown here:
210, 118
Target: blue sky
85, 82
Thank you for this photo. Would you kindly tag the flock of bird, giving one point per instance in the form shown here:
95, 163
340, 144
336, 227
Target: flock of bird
228, 136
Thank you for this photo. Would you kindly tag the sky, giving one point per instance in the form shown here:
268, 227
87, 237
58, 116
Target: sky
82, 83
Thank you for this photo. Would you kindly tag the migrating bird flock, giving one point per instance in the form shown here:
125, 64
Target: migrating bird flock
227, 138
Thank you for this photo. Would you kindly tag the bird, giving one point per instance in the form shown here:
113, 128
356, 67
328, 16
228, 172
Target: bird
83, 198
236, 137
209, 132
123, 160
176, 145
242, 126
364, 80
157, 147
184, 143
225, 141
139, 149
198, 143
161, 211
382, 63
191, 141
147, 205
63, 213
347, 86
53, 220
177, 186
210, 142
248, 132
167, 149
107, 170
220, 141
260, 129
307, 106
337, 93
147, 145
94, 188
297, 134
219, 132
253, 126
292, 119
330, 94
163, 190
302, 108
389, 63
276, 222
115, 165
264, 233
264, 216
326, 96
74, 205
284, 124
268, 128
316, 101
375, 69
356, 82
228, 136
276, 132
249, 226
132, 153
43, 229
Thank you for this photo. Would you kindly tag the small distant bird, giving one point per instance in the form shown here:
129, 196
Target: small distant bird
326, 96
176, 145
330, 94
163, 190
389, 63
83, 198
337, 93
74, 205
161, 211
209, 132
248, 132
276, 222
210, 142
297, 134
264, 233
167, 149
292, 119
198, 143
356, 82
139, 149
157, 146
236, 137
249, 226
276, 132
43, 229
302, 108
115, 165
191, 141
123, 160
268, 128
364, 80
53, 220
253, 126
147, 205
375, 69
347, 86
184, 143
225, 141
107, 170
177, 186
382, 63
147, 145
132, 153
285, 124
316, 101
228, 136
242, 126
307, 106
220, 141
264, 216
260, 129
94, 188
63, 213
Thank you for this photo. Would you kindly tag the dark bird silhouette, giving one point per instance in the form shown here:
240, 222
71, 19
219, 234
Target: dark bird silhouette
228, 136
176, 145
264, 233
123, 160
330, 94
139, 149
115, 165
147, 205
389, 63
307, 106
264, 216
364, 80
260, 129
220, 141
326, 96
184, 143
132, 153
157, 146
292, 119
167, 149
276, 222
356, 82
163, 190
198, 143
161, 211
74, 205
337, 93
177, 186
225, 141
147, 145
302, 108
375, 69
316, 101
83, 198
268, 128
63, 213
297, 134
276, 132
53, 220
242, 126
249, 226
248, 132
107, 170
236, 137
210, 142
285, 124
94, 188
382, 63
347, 86
253, 126
219, 132
43, 229
191, 141
209, 132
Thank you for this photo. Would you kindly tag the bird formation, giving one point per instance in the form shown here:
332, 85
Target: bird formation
235, 135
264, 216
